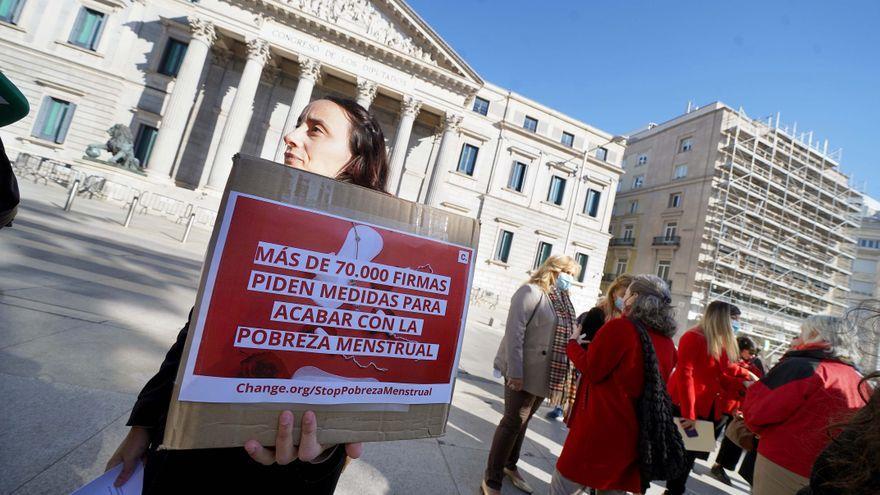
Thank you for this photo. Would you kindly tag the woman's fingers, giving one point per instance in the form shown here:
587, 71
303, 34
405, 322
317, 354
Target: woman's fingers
354, 450
308, 441
285, 452
128, 466
259, 453
116, 459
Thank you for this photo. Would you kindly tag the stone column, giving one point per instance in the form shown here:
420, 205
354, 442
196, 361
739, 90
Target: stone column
409, 109
445, 157
180, 104
239, 113
309, 72
366, 92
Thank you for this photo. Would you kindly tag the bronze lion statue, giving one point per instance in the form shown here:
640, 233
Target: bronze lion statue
120, 145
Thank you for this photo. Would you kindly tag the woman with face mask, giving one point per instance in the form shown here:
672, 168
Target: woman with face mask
335, 138
532, 360
706, 375
601, 451
607, 308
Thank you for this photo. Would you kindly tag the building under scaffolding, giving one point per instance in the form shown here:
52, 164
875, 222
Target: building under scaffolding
747, 211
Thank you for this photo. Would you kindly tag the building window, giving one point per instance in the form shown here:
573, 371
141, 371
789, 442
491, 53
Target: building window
602, 154
869, 243
633, 207
863, 288
685, 145
502, 251
681, 172
638, 181
468, 159
143, 143
627, 231
861, 265
568, 139
54, 119
674, 200
663, 269
620, 269
172, 57
530, 124
517, 176
557, 190
642, 159
582, 260
481, 105
544, 250
670, 230
591, 205
87, 28
10, 10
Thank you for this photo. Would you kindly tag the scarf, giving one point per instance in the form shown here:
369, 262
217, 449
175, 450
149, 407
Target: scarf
661, 449
561, 375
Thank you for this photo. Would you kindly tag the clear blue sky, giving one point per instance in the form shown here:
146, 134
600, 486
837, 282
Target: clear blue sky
619, 64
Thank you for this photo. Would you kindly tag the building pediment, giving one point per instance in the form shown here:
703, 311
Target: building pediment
387, 30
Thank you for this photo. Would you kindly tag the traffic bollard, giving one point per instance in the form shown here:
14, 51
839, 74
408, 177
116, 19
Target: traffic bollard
71, 195
134, 203
189, 226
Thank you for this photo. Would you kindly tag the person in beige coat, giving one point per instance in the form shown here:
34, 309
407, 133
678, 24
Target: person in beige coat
532, 359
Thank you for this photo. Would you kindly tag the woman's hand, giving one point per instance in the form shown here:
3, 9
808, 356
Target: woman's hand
515, 384
285, 452
575, 333
129, 452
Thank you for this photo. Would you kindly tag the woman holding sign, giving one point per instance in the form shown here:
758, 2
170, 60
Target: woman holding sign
334, 138
532, 359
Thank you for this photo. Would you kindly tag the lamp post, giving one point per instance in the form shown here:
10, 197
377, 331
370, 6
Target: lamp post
577, 172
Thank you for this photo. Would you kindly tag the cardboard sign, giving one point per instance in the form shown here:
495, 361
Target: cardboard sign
320, 295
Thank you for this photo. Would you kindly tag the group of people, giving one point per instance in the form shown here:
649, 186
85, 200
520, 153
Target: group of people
810, 425
615, 371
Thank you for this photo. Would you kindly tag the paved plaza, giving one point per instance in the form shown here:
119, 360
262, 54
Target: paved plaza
88, 309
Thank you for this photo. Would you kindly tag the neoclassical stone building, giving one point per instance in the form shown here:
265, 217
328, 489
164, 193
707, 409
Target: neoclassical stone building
198, 81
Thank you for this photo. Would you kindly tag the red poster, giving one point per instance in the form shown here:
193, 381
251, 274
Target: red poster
302, 306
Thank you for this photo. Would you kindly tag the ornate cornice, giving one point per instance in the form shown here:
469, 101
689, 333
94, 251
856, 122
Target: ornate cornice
314, 17
367, 90
410, 106
258, 50
451, 122
309, 68
202, 30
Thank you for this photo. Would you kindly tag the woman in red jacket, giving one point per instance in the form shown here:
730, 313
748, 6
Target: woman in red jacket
706, 374
812, 387
601, 450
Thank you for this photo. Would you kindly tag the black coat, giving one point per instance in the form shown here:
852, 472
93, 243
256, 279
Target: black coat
216, 470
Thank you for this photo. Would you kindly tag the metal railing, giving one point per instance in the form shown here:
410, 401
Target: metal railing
622, 241
667, 240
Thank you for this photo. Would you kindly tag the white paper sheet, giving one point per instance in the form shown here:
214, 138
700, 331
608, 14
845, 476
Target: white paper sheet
103, 485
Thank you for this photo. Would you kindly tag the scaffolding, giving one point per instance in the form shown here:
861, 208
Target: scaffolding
776, 239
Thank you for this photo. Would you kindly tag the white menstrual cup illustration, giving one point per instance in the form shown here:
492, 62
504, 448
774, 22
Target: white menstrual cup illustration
361, 244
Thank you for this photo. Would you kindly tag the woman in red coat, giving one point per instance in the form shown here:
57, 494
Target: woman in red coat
706, 374
813, 387
601, 451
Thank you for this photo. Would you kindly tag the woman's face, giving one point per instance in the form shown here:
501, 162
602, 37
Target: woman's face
320, 143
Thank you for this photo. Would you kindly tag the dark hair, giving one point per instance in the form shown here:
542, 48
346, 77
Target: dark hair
368, 166
746, 344
734, 310
653, 306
